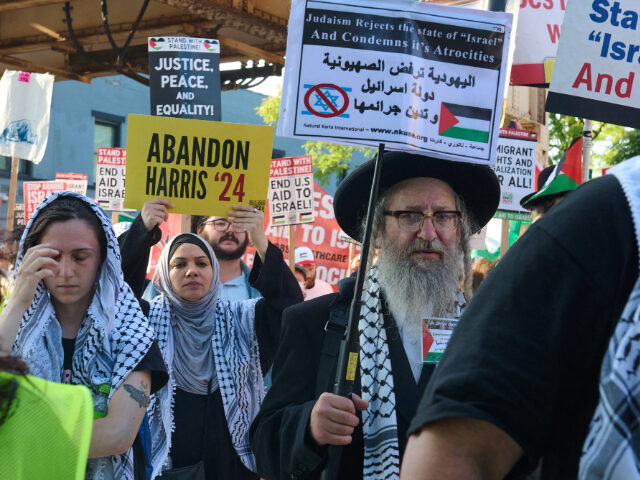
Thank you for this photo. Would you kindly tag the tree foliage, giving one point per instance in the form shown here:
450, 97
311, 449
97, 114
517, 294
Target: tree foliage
611, 143
328, 158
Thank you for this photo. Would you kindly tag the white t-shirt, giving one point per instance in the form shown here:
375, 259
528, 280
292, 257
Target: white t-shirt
320, 288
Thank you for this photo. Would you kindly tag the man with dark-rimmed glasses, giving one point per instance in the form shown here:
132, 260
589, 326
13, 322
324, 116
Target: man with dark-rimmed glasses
426, 212
229, 244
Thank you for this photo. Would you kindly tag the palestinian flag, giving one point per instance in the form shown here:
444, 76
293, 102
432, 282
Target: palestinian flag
567, 174
464, 123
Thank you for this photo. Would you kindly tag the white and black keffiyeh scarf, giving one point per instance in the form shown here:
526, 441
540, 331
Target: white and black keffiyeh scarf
238, 374
112, 340
612, 448
379, 421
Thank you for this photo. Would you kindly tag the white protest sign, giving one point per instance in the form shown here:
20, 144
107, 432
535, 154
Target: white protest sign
415, 76
596, 73
291, 190
537, 36
76, 182
36, 192
516, 170
111, 163
24, 114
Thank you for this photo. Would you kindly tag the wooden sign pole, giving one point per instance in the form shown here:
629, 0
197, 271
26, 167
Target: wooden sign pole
114, 217
292, 248
13, 186
504, 238
352, 247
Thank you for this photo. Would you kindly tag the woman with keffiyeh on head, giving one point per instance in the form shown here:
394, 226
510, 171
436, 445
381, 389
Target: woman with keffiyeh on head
216, 350
73, 319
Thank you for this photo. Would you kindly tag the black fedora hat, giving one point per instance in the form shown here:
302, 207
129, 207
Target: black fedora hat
478, 186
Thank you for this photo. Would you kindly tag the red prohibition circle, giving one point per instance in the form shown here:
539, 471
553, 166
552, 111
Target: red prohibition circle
334, 111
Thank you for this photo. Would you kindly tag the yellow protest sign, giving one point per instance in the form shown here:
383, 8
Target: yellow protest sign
203, 167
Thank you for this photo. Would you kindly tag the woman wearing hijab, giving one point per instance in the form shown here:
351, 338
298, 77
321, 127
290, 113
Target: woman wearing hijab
216, 351
72, 319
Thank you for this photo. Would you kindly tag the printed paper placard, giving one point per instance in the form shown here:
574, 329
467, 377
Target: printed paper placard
76, 182
516, 169
291, 190
436, 333
36, 192
184, 77
596, 74
415, 76
110, 177
203, 167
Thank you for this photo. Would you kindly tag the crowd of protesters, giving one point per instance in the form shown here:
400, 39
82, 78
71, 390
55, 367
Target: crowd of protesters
124, 380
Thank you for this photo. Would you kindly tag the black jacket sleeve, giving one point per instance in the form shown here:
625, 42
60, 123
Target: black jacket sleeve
135, 249
280, 289
279, 432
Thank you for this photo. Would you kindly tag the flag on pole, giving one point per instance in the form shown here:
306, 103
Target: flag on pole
566, 175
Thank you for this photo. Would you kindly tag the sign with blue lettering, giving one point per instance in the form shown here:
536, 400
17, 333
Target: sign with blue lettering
184, 77
596, 73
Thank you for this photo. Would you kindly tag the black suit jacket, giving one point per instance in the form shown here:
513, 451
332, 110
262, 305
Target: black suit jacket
279, 434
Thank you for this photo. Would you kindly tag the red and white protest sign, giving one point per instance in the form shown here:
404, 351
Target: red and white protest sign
291, 190
537, 36
36, 192
322, 237
110, 174
76, 182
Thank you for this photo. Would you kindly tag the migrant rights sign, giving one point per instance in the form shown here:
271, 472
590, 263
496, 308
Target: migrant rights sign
184, 77
24, 114
596, 74
76, 182
291, 190
415, 76
203, 167
537, 37
110, 175
516, 170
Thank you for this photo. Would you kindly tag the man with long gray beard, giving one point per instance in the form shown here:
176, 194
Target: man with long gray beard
426, 212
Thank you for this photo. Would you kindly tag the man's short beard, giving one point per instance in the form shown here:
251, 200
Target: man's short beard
416, 288
233, 254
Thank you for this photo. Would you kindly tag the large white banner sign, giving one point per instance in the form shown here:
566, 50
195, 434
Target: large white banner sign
415, 76
25, 103
597, 73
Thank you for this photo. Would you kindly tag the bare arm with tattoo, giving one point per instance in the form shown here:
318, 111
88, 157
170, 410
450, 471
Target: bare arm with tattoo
116, 432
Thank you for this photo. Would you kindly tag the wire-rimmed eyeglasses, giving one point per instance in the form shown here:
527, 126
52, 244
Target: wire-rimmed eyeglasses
412, 221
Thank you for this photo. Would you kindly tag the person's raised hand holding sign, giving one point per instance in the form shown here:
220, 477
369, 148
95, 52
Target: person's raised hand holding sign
251, 220
154, 212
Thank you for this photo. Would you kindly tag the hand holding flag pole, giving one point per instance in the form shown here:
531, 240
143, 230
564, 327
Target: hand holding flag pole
350, 346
